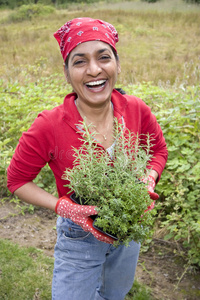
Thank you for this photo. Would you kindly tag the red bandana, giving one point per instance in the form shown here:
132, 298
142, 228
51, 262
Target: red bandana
81, 30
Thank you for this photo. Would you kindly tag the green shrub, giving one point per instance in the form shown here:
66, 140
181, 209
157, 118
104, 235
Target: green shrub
181, 182
20, 105
151, 1
193, 1
27, 12
178, 113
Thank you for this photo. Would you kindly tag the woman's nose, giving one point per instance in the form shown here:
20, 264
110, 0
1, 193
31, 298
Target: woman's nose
93, 68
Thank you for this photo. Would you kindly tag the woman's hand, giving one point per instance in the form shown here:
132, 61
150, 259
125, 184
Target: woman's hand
80, 214
151, 183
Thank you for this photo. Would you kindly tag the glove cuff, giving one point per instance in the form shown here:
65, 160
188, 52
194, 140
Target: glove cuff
58, 203
151, 179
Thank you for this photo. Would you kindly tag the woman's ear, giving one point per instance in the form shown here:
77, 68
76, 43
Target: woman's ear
66, 73
118, 68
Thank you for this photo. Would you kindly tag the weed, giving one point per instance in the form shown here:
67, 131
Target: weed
148, 272
26, 208
139, 292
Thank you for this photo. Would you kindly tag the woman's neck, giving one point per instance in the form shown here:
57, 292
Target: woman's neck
100, 120
96, 115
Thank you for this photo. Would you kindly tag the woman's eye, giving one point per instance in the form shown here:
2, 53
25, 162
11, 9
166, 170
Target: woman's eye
104, 57
78, 62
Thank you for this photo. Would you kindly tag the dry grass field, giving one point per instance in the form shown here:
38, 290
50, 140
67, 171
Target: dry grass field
156, 41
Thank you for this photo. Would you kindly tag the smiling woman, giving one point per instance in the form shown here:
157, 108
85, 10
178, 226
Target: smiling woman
87, 264
92, 71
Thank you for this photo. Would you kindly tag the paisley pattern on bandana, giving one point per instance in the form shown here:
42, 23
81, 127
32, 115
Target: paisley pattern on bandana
81, 30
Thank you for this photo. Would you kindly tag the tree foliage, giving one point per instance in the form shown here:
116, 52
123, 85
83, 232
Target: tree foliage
193, 1
14, 3
28, 12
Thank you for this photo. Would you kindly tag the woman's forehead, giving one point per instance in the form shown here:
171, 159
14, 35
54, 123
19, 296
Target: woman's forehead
90, 47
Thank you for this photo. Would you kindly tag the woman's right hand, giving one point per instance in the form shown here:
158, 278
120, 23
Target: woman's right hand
80, 214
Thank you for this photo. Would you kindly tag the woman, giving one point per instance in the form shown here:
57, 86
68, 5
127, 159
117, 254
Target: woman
87, 265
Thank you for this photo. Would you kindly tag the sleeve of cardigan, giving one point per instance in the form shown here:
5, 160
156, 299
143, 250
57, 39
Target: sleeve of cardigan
150, 126
32, 153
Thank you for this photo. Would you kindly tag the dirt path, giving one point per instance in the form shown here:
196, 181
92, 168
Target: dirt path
159, 268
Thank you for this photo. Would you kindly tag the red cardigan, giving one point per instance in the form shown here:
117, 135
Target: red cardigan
53, 133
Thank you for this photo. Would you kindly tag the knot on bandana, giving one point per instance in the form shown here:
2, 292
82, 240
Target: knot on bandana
81, 30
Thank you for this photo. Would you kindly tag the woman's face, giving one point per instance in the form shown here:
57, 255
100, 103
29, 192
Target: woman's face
92, 71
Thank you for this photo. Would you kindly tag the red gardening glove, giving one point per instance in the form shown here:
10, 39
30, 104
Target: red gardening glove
80, 214
150, 187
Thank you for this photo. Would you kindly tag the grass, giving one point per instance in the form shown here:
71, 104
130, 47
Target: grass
139, 292
160, 6
154, 44
26, 273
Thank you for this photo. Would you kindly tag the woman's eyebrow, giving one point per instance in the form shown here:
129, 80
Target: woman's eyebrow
83, 54
78, 54
103, 50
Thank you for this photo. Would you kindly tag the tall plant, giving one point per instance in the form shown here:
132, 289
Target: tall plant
112, 182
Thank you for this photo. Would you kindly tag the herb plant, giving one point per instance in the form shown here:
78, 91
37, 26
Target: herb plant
112, 182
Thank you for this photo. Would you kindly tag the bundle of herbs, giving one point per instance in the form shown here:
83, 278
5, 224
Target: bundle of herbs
111, 182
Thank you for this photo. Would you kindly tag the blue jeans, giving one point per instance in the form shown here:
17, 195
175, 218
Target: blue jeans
87, 269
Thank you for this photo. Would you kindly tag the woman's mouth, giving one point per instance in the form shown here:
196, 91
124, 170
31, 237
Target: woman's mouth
97, 85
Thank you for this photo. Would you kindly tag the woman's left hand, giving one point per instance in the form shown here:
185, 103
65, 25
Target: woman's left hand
151, 183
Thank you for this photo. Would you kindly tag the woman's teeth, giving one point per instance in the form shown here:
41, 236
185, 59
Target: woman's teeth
96, 83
